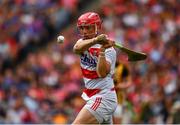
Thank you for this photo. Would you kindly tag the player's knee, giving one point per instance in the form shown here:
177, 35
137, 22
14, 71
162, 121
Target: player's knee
76, 121
83, 120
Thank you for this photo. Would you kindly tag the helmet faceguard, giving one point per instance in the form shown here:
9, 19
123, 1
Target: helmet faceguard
90, 19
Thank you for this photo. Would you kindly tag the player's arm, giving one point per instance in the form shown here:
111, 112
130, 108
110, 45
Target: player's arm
103, 66
82, 45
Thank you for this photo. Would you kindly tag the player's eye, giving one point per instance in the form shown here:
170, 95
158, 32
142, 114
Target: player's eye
81, 27
85, 27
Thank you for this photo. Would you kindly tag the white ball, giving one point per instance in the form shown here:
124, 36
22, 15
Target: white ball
60, 39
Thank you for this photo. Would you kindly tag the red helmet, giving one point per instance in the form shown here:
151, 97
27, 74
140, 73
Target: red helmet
89, 18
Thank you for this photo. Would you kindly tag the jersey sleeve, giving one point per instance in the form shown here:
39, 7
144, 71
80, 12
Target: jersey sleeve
110, 54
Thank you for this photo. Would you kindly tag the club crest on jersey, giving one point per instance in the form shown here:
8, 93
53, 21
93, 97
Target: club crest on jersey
94, 51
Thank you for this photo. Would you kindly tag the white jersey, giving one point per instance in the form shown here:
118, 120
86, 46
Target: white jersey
99, 94
89, 61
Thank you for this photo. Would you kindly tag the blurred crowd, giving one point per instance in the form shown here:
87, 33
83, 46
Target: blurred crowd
27, 25
44, 86
152, 27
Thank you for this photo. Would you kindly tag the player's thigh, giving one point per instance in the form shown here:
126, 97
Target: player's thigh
85, 117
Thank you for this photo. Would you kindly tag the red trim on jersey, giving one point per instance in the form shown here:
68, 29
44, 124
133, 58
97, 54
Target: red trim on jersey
91, 92
89, 74
96, 103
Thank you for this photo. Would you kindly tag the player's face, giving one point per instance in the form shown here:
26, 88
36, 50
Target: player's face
87, 31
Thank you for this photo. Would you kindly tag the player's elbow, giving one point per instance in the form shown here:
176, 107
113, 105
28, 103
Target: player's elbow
77, 50
102, 75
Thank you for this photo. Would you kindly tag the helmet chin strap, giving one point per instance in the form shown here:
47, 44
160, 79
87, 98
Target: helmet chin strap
96, 31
